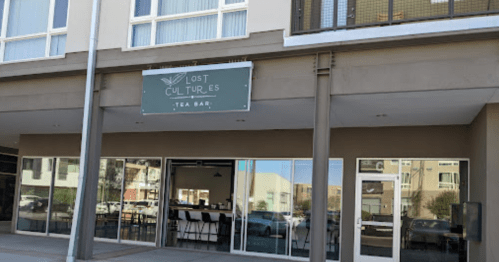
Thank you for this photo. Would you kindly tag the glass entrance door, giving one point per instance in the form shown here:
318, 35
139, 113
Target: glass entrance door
377, 213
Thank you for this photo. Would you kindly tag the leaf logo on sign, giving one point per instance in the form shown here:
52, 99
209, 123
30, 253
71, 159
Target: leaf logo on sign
175, 80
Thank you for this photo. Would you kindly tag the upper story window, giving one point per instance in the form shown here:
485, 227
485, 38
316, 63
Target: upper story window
32, 29
162, 22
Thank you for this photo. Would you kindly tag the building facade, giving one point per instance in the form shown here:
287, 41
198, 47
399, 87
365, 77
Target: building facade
384, 115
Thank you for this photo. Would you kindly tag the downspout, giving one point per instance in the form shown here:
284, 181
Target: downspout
85, 140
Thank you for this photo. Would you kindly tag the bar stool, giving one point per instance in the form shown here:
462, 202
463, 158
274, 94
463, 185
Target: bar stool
188, 226
307, 224
207, 219
223, 225
174, 218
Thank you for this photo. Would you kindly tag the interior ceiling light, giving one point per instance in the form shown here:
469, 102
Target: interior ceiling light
381, 115
139, 123
217, 174
240, 120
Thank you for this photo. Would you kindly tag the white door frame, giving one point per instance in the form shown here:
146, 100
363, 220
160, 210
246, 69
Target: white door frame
396, 215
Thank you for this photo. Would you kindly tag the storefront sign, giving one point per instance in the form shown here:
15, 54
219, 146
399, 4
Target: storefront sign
196, 89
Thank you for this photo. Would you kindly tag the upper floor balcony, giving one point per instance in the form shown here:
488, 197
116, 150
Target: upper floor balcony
314, 16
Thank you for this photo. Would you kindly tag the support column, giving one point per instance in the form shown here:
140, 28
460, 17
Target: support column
318, 228
83, 228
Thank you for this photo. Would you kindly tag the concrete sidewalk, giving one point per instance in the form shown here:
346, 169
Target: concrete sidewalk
40, 249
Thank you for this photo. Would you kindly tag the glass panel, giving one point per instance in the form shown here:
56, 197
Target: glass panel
377, 200
234, 24
228, 2
432, 219
240, 203
27, 17
171, 7
302, 201
58, 45
141, 35
376, 241
327, 13
269, 207
63, 202
387, 166
142, 7
60, 13
334, 209
188, 29
7, 193
108, 198
140, 200
35, 189
25, 49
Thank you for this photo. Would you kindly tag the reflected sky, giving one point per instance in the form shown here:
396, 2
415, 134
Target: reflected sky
303, 169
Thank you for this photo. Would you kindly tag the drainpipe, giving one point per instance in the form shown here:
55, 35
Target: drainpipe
86, 131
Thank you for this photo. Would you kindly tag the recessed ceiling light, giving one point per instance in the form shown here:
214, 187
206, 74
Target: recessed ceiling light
240, 120
381, 115
139, 123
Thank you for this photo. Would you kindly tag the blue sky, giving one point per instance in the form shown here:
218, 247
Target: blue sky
303, 170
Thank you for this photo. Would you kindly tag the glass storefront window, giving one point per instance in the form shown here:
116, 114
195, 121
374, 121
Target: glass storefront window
334, 194
269, 207
36, 177
430, 230
64, 195
140, 199
109, 198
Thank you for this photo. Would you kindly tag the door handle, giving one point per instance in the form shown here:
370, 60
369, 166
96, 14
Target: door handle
359, 222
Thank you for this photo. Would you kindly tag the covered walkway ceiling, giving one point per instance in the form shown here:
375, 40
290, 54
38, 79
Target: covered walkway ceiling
453, 107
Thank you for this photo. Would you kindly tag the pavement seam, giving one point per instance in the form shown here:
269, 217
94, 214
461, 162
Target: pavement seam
32, 253
121, 253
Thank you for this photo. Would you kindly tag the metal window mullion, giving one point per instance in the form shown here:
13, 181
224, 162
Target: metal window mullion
121, 201
51, 195
335, 15
154, 15
184, 15
390, 11
234, 204
245, 213
2, 51
451, 8
220, 19
49, 27
291, 224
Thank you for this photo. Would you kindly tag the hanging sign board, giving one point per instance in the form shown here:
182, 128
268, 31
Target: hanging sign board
197, 89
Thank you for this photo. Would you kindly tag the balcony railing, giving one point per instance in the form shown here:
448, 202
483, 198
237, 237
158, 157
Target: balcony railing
312, 16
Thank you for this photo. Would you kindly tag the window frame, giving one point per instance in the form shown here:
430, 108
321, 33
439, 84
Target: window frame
153, 19
50, 32
447, 185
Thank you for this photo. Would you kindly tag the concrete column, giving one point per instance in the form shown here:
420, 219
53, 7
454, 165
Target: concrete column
318, 232
83, 234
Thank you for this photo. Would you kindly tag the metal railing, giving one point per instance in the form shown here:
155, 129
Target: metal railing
313, 16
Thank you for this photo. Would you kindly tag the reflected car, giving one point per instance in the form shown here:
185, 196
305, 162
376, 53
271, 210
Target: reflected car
266, 223
107, 207
27, 199
41, 206
430, 232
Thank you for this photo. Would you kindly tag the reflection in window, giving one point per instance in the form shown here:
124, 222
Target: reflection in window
34, 195
108, 198
63, 201
140, 198
302, 199
429, 228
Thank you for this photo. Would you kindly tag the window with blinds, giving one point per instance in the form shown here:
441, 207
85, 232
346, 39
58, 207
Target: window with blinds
31, 29
164, 22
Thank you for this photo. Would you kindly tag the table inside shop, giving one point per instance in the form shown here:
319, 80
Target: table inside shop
196, 214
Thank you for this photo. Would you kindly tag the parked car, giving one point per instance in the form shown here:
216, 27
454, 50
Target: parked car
430, 232
266, 223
